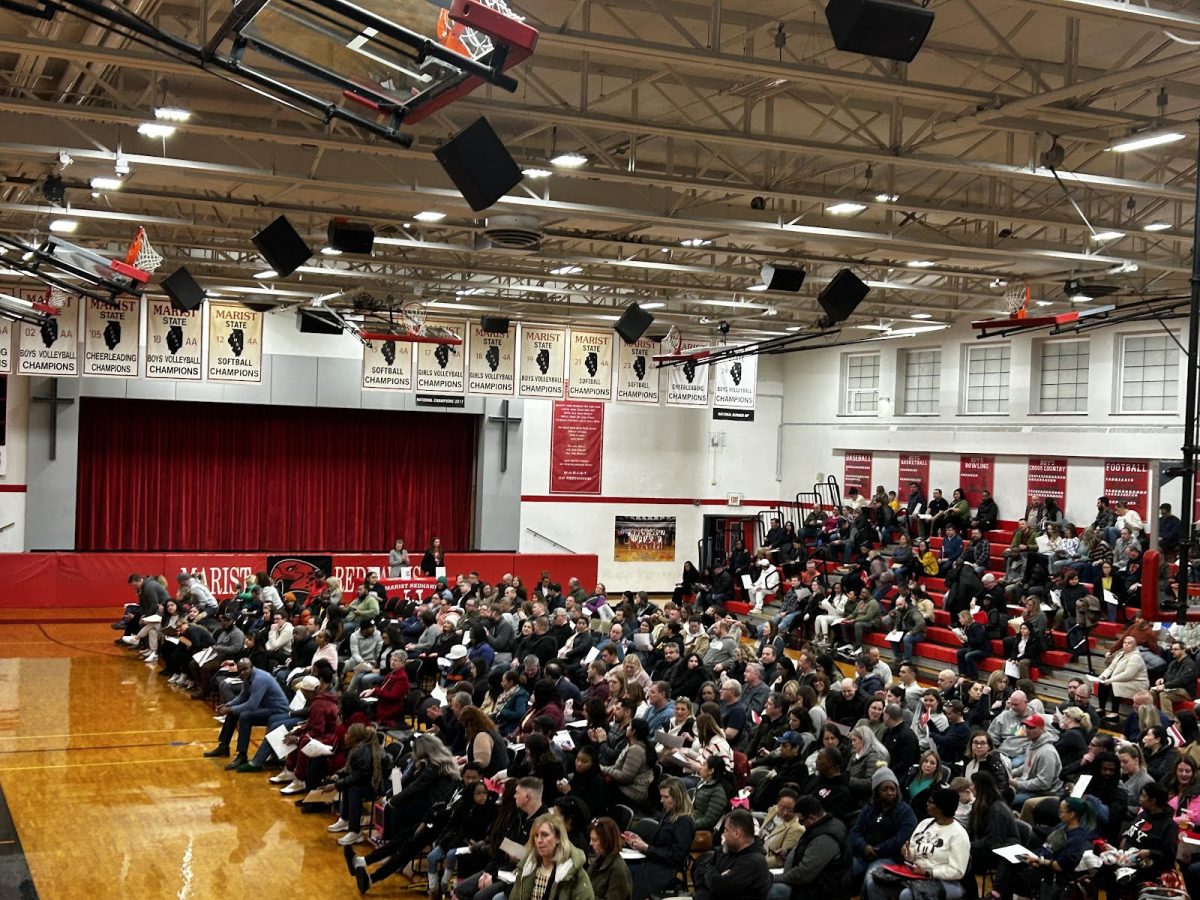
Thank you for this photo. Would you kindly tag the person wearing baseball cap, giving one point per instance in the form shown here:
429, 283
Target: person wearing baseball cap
789, 766
1040, 773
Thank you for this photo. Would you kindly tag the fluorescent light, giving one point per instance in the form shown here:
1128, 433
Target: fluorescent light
735, 304
795, 328
154, 130
920, 264
1041, 302
467, 292
1143, 142
569, 160
874, 327
267, 273
845, 209
605, 318
566, 270
695, 242
63, 226
1156, 226
1080, 298
430, 215
533, 172
652, 305
921, 316
329, 251
106, 184
1107, 236
757, 287
886, 198
171, 114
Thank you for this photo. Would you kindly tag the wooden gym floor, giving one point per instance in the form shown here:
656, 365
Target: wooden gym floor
101, 769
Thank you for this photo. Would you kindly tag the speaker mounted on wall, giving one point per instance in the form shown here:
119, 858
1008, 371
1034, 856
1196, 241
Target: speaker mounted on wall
186, 295
782, 278
479, 165
633, 323
316, 321
840, 298
890, 29
493, 325
282, 247
351, 237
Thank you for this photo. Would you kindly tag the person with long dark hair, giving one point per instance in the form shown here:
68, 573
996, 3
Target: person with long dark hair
360, 780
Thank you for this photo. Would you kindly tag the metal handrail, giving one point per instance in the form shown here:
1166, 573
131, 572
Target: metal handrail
549, 540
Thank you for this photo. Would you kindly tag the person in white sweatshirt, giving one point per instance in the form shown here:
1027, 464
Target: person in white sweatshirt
939, 849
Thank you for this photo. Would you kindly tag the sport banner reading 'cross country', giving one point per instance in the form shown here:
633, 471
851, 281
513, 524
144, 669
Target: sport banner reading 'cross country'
735, 383
491, 361
110, 338
235, 349
387, 366
637, 378
51, 348
543, 361
174, 341
590, 371
442, 370
687, 382
1047, 479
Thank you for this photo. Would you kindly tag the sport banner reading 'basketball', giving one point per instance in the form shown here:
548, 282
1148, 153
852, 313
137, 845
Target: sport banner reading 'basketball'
687, 383
51, 348
441, 368
174, 339
637, 378
735, 383
543, 359
492, 361
235, 350
387, 366
110, 338
590, 370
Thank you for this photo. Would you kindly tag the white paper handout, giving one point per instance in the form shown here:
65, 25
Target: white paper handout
1081, 785
591, 656
397, 776
1109, 598
275, 739
1014, 853
1011, 669
506, 876
297, 703
642, 641
670, 741
316, 748
632, 854
512, 849
894, 635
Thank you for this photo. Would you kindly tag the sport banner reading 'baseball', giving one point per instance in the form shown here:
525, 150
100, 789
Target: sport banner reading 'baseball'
590, 371
51, 348
387, 366
442, 368
687, 382
637, 378
110, 338
234, 343
857, 472
1047, 478
174, 342
492, 361
543, 360
975, 475
1129, 480
734, 385
913, 467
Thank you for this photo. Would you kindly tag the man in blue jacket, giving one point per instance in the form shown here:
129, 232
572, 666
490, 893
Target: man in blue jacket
260, 699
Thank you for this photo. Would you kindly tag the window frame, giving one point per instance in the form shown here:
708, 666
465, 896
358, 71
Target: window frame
845, 407
1119, 375
965, 380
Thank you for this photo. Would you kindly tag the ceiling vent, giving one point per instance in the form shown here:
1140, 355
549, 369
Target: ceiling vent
513, 232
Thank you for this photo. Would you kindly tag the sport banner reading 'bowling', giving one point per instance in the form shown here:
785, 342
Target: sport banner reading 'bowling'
235, 350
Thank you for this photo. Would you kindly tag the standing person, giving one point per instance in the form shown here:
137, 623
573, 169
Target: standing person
552, 868
738, 869
433, 558
397, 559
607, 872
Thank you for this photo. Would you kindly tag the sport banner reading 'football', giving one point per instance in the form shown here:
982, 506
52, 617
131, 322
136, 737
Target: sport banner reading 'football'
543, 359
637, 377
51, 348
110, 338
174, 339
687, 382
441, 368
235, 349
492, 361
590, 370
387, 366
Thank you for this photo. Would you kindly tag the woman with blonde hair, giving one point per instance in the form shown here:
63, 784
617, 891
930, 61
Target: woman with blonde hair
552, 869
668, 847
1134, 776
334, 584
867, 755
634, 671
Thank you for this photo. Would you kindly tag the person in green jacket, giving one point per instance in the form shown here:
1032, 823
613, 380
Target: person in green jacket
608, 873
552, 868
364, 608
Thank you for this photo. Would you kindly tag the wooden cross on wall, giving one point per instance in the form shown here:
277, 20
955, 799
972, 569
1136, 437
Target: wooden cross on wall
504, 420
56, 403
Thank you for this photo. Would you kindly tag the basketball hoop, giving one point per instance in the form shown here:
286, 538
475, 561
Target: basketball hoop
57, 297
141, 254
1016, 300
673, 341
413, 314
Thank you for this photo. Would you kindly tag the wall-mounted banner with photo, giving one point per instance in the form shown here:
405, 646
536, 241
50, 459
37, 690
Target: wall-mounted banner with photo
687, 382
1129, 480
110, 338
174, 342
976, 475
543, 361
1047, 479
387, 366
52, 347
442, 368
235, 347
589, 376
913, 467
491, 361
637, 378
734, 383
644, 539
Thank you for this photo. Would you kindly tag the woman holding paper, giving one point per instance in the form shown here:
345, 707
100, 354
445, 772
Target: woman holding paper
1056, 860
668, 848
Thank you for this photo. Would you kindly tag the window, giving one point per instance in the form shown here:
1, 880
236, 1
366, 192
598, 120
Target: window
1149, 374
922, 382
1064, 377
860, 384
987, 379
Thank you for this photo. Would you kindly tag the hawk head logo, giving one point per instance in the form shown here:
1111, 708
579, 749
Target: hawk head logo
298, 576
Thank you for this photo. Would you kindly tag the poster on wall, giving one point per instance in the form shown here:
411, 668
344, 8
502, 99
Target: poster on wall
235, 350
110, 338
589, 374
637, 378
687, 382
300, 573
644, 539
975, 475
734, 383
491, 361
576, 447
442, 368
1047, 479
174, 342
5, 347
387, 366
51, 348
1129, 480
543, 361
857, 473
913, 467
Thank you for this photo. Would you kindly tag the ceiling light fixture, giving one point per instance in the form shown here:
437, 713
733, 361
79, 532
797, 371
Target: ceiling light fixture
63, 226
886, 198
1146, 141
652, 305
794, 328
845, 209
922, 316
171, 114
920, 264
1156, 226
329, 251
1100, 236
757, 287
265, 274
430, 215
533, 172
569, 160
695, 242
106, 184
155, 130
566, 270
1080, 298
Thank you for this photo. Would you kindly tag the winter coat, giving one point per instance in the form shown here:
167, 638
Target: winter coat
610, 878
569, 882
1126, 674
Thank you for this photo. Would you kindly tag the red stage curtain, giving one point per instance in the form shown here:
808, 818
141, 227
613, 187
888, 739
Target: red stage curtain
159, 475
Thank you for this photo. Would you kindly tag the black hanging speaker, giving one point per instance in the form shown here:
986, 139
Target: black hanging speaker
891, 29
479, 165
183, 290
282, 248
316, 321
351, 237
841, 297
782, 278
493, 325
633, 323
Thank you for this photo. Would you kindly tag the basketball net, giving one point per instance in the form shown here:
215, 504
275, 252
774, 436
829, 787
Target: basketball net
141, 254
57, 297
1016, 300
673, 341
413, 315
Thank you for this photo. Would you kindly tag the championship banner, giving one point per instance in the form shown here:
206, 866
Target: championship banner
735, 383
1129, 480
110, 338
913, 467
644, 539
590, 372
576, 447
174, 339
442, 368
52, 347
5, 347
687, 382
235, 349
1047, 479
543, 360
637, 378
387, 366
975, 475
491, 361
857, 472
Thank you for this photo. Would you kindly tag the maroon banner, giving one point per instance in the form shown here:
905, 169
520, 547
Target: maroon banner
1129, 480
576, 447
857, 473
913, 467
975, 474
1047, 479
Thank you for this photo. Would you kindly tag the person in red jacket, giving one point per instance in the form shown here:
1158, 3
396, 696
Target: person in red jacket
392, 692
